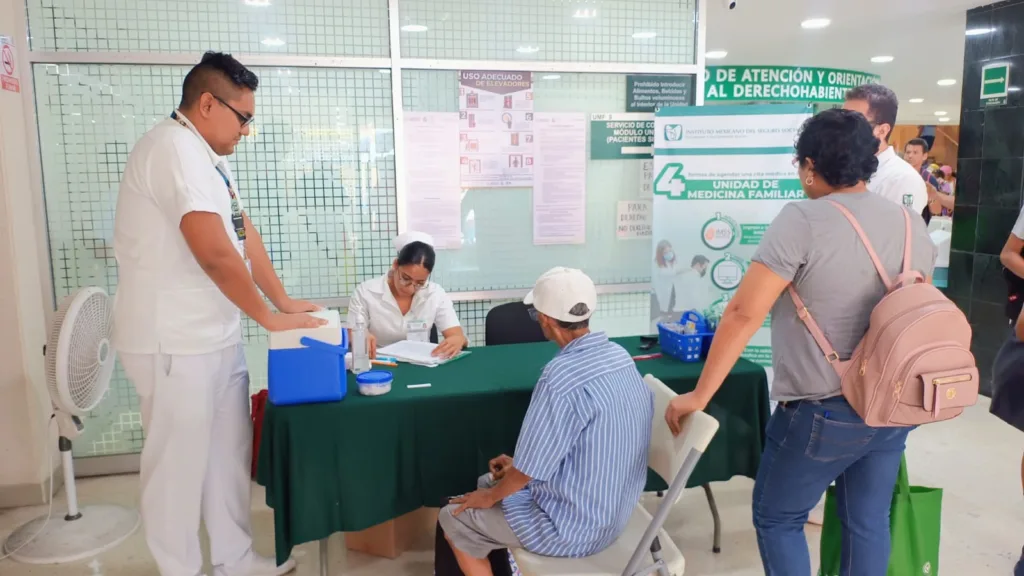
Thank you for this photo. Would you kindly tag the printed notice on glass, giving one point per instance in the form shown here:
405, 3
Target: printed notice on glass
496, 129
433, 198
560, 183
646, 179
633, 220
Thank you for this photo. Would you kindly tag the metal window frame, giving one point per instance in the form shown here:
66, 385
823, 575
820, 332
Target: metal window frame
395, 62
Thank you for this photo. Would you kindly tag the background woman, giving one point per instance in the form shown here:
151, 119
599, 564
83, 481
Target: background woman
665, 276
814, 437
404, 304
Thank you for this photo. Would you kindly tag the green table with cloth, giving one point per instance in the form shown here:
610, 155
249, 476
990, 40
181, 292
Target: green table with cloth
346, 466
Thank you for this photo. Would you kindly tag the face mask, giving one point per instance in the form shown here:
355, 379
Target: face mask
670, 256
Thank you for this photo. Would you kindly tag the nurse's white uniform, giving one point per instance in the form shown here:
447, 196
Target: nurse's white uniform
179, 340
663, 281
375, 305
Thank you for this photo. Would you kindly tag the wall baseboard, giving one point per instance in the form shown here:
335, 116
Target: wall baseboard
107, 465
20, 495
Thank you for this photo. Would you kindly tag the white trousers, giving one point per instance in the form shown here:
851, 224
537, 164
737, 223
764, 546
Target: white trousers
196, 457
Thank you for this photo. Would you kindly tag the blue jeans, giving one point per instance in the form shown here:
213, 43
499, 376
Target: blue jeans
810, 445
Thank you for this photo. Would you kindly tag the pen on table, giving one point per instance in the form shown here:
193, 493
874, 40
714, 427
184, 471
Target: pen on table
647, 357
418, 386
384, 363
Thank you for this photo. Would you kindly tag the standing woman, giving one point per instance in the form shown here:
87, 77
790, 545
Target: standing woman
814, 436
1008, 392
665, 276
1008, 368
404, 304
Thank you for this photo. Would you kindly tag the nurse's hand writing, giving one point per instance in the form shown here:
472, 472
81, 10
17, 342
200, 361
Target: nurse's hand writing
680, 407
278, 322
450, 347
292, 306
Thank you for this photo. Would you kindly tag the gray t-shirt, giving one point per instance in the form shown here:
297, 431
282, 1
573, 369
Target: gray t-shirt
813, 245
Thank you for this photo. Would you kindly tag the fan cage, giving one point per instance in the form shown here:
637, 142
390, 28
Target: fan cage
79, 357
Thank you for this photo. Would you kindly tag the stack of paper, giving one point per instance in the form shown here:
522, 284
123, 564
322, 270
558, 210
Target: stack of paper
413, 353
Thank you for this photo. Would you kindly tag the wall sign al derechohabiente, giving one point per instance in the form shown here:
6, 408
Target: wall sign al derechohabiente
780, 83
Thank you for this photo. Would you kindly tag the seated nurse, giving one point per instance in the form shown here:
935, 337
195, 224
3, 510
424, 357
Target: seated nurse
404, 304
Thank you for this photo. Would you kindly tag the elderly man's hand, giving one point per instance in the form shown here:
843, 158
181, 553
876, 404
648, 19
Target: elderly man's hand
499, 466
482, 499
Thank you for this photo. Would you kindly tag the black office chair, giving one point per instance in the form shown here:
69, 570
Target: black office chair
511, 324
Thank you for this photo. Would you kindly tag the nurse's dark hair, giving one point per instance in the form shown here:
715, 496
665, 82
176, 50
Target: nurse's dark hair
883, 105
419, 253
840, 146
217, 73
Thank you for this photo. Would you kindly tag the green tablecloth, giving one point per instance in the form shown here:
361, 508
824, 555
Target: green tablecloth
349, 465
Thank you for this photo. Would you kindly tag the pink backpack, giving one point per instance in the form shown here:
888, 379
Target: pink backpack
914, 366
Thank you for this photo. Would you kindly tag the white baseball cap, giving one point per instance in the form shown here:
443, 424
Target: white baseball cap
406, 238
559, 290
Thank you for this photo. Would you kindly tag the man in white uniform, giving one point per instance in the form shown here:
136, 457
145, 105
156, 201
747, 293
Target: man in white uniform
185, 248
691, 288
894, 179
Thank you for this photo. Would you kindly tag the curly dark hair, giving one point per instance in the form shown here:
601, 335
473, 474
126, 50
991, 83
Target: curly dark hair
841, 146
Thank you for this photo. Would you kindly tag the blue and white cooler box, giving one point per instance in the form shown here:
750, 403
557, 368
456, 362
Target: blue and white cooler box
308, 366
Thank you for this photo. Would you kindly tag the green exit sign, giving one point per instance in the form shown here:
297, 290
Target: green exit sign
995, 83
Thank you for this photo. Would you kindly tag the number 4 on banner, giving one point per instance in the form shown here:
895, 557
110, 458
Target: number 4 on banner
670, 181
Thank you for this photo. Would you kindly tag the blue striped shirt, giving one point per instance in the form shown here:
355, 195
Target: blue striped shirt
584, 445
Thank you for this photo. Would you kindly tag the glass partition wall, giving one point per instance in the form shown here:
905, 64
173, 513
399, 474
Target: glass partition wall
322, 172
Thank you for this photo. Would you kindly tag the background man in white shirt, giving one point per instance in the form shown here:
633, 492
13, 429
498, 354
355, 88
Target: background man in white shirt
185, 248
895, 179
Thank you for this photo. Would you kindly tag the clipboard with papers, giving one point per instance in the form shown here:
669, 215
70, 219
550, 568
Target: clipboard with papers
418, 353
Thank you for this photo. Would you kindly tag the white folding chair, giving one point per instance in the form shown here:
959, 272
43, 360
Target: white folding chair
643, 548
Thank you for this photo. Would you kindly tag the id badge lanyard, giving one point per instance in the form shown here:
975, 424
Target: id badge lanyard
237, 221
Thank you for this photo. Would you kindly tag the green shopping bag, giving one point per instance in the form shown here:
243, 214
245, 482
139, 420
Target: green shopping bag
914, 522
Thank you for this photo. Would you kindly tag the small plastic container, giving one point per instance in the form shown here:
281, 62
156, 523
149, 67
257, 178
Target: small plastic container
375, 382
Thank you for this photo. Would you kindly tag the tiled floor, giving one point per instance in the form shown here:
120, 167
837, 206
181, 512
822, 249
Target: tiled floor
976, 459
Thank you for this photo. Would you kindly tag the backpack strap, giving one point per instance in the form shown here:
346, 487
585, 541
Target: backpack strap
816, 332
867, 244
907, 276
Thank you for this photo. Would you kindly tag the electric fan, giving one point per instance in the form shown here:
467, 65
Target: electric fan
79, 364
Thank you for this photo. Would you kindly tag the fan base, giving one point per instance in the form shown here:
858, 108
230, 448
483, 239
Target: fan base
99, 529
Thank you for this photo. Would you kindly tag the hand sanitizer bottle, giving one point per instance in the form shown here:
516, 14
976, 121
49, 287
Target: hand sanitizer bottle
360, 354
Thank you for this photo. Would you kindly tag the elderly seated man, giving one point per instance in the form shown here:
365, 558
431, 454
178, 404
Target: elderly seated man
581, 458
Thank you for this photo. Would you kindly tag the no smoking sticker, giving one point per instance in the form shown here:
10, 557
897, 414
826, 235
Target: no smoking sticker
8, 59
8, 78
